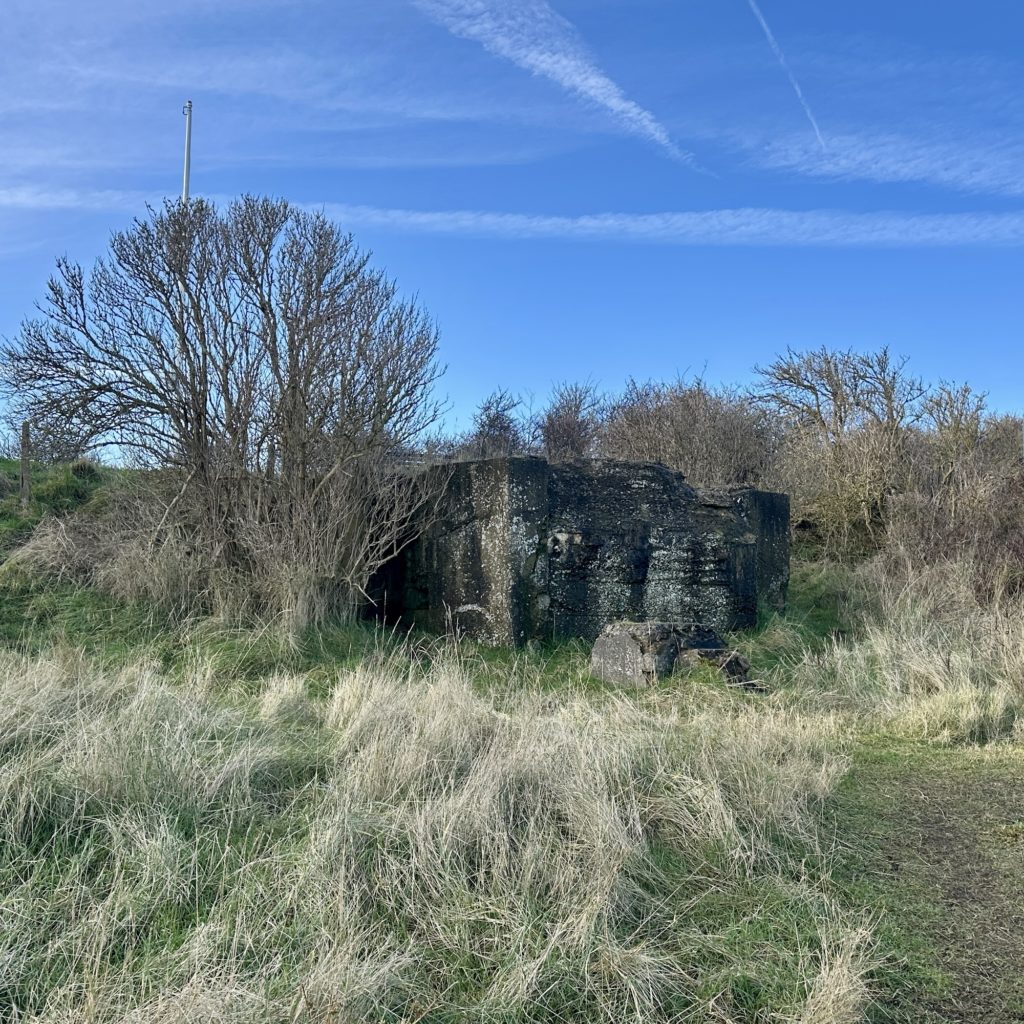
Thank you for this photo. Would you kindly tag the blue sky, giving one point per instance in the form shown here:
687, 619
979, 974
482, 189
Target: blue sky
575, 189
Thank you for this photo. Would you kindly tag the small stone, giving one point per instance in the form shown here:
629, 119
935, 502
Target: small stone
690, 659
733, 666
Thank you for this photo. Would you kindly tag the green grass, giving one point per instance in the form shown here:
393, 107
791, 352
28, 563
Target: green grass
56, 490
36, 616
927, 822
924, 843
822, 597
864, 816
738, 925
825, 603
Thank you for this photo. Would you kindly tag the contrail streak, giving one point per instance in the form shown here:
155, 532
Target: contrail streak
777, 50
531, 34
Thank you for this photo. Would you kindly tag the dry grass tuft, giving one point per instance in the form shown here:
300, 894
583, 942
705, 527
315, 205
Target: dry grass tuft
409, 848
929, 659
839, 991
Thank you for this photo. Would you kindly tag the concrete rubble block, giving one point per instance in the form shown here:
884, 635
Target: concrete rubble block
641, 653
638, 654
635, 653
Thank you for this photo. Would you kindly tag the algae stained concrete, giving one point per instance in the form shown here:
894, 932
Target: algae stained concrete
526, 550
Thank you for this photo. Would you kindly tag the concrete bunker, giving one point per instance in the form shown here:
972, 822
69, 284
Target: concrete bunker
523, 549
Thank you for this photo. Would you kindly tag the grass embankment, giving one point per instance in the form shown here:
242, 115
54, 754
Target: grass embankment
56, 490
200, 823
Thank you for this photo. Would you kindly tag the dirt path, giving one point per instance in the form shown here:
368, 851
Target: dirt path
939, 851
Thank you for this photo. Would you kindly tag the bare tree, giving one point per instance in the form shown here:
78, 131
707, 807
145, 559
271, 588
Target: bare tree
885, 393
713, 435
570, 426
499, 428
817, 390
1002, 443
257, 353
836, 392
955, 413
847, 449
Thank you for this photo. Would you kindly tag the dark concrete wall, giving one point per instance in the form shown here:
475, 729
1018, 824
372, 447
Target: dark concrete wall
768, 516
528, 550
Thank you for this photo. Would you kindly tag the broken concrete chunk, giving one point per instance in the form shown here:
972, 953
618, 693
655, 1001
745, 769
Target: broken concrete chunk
641, 653
635, 653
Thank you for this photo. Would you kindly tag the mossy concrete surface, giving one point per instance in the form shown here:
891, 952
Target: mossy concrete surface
525, 550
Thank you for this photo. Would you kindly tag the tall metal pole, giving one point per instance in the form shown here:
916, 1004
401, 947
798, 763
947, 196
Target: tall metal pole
187, 111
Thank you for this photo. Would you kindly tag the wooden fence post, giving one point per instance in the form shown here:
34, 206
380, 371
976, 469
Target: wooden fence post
26, 466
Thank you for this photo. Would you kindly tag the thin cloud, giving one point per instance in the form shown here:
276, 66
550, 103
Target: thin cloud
532, 35
781, 57
982, 166
729, 227
743, 226
32, 197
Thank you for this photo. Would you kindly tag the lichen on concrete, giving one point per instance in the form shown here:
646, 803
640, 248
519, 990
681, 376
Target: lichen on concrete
526, 550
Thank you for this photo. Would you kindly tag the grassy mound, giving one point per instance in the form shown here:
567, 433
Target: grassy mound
56, 490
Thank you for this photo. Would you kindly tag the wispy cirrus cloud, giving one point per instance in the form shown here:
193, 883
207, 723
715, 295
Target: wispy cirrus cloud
743, 226
945, 120
35, 197
747, 226
978, 165
534, 36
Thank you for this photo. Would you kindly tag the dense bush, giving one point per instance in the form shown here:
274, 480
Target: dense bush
570, 426
712, 435
974, 518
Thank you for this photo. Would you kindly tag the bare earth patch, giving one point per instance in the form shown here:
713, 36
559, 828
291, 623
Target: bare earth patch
942, 845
